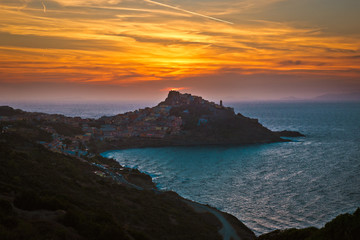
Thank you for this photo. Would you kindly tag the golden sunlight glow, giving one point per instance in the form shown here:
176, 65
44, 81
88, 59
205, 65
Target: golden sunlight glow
122, 42
174, 89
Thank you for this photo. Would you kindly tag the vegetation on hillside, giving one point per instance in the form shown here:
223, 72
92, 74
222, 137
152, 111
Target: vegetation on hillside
66, 129
343, 227
49, 195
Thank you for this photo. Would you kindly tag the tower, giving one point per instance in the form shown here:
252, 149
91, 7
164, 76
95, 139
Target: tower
221, 103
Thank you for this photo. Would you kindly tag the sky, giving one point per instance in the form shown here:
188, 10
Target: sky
121, 50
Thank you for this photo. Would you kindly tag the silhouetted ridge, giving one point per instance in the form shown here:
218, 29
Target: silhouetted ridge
9, 111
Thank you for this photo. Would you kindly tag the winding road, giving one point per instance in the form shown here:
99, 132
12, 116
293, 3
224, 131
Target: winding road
227, 231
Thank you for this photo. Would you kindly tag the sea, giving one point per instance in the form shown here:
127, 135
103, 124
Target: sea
305, 182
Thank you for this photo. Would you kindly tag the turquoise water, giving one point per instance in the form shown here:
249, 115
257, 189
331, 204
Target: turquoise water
302, 183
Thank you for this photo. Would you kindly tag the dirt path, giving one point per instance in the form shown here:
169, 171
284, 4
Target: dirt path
227, 231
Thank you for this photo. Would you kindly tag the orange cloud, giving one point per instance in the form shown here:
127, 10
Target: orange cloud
113, 45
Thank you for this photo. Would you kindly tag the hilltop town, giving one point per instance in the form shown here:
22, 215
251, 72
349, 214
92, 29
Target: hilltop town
181, 119
160, 121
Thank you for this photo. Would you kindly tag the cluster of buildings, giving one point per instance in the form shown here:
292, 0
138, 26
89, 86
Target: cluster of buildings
145, 123
11, 118
156, 122
153, 122
74, 145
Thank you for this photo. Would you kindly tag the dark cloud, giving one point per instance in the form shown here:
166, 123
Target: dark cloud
292, 62
299, 63
354, 57
43, 42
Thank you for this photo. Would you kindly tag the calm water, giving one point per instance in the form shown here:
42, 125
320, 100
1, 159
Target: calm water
302, 183
84, 110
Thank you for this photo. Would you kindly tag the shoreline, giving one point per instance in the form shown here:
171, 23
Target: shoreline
187, 197
140, 143
232, 228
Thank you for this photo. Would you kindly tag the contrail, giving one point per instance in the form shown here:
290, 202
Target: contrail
44, 7
183, 10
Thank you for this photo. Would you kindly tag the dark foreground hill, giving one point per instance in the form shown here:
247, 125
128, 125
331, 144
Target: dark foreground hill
48, 195
343, 227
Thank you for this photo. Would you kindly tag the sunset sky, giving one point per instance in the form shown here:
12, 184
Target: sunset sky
104, 50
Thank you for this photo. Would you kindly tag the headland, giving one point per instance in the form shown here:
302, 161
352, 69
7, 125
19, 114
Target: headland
180, 120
